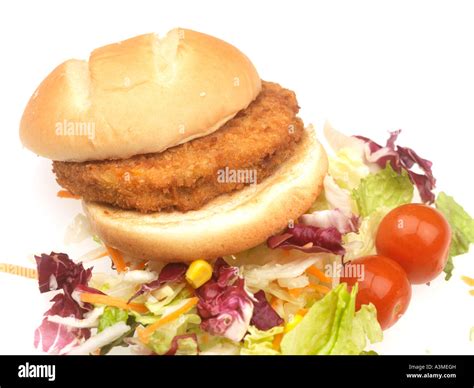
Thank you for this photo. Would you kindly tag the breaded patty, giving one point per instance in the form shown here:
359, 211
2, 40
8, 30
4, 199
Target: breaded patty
185, 177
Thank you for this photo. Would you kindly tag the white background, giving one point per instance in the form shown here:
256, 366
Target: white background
369, 67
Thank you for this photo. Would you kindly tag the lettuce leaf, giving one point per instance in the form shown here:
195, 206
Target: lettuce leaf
111, 316
259, 342
363, 243
213, 346
462, 228
449, 268
161, 341
347, 168
386, 188
332, 326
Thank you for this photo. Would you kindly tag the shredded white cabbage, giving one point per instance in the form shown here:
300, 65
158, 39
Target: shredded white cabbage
167, 310
78, 230
337, 140
331, 218
135, 346
122, 285
289, 311
337, 197
297, 282
260, 276
110, 334
157, 300
162, 293
139, 276
282, 294
91, 319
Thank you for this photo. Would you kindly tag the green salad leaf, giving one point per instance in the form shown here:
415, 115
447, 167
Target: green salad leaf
111, 316
171, 294
260, 342
368, 353
332, 326
386, 188
347, 168
363, 243
462, 228
161, 339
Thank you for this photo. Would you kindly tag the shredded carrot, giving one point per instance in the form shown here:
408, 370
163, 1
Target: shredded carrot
295, 292
18, 270
302, 312
469, 281
471, 292
144, 334
117, 259
277, 341
205, 338
318, 274
320, 288
140, 265
275, 303
111, 301
67, 194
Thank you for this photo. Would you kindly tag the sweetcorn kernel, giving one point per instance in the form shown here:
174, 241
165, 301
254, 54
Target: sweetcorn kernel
198, 273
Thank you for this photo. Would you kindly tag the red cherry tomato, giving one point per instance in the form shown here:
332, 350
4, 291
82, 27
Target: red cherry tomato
382, 282
417, 237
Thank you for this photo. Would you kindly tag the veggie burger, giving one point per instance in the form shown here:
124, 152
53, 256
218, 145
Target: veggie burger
176, 146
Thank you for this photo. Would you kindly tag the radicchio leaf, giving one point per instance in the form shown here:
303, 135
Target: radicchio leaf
172, 272
309, 239
224, 274
57, 272
81, 288
224, 305
402, 158
54, 338
264, 316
